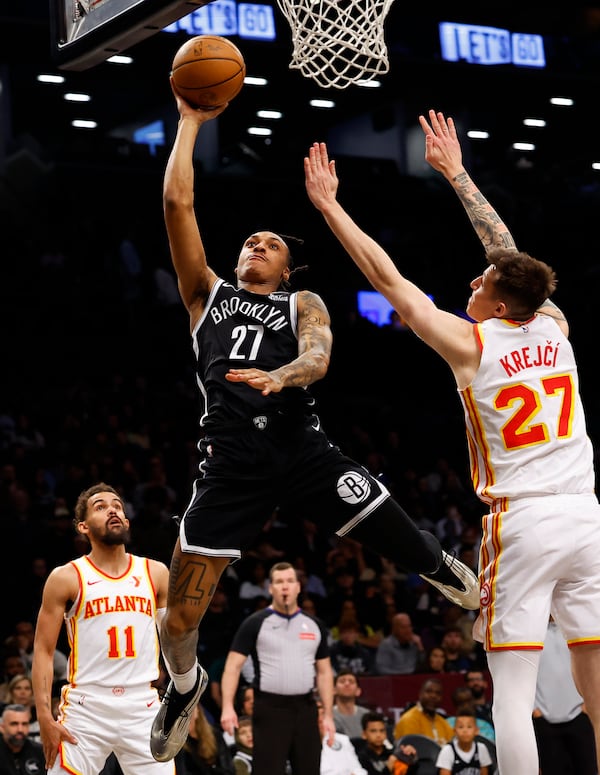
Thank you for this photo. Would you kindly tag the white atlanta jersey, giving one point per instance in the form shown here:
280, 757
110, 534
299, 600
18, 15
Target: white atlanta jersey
525, 423
111, 627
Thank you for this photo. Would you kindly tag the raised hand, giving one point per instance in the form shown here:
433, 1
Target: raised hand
442, 148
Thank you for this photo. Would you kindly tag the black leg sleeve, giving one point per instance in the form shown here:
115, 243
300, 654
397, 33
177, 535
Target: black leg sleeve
389, 531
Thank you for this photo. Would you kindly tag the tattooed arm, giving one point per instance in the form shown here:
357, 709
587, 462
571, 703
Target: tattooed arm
314, 352
443, 153
549, 308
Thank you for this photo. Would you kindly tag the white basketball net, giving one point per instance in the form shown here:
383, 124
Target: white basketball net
338, 42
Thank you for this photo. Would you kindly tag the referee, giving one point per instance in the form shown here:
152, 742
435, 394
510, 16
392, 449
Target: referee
290, 655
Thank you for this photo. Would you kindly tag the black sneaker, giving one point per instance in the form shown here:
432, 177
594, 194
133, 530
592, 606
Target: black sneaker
172, 722
456, 581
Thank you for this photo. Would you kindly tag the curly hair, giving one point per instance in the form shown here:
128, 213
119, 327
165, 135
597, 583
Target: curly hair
82, 501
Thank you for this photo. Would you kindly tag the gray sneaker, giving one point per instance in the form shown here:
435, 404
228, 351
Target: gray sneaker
456, 582
172, 722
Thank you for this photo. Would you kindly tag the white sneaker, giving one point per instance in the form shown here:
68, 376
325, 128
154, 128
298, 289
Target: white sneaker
172, 722
456, 581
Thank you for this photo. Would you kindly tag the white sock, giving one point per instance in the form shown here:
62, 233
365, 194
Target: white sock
185, 682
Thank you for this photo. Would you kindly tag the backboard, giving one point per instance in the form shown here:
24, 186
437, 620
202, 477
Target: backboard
87, 32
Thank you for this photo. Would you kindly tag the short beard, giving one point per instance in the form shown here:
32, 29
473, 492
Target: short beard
114, 539
111, 537
15, 742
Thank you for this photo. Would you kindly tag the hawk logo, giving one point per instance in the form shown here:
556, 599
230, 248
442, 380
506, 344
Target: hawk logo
260, 422
485, 595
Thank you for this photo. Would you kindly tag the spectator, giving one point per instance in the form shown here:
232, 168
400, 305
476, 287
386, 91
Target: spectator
212, 700
478, 684
450, 527
244, 707
343, 588
244, 745
395, 592
155, 492
338, 757
464, 753
257, 585
372, 607
311, 543
457, 660
245, 701
455, 616
205, 752
435, 660
347, 653
24, 634
347, 714
366, 635
18, 753
310, 582
377, 754
310, 605
462, 699
424, 717
400, 652
222, 618
33, 586
13, 664
56, 543
20, 692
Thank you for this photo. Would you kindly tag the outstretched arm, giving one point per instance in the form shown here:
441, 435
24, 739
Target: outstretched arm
187, 251
443, 153
451, 336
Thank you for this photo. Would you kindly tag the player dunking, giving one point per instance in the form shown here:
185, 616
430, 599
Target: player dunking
258, 348
531, 458
109, 601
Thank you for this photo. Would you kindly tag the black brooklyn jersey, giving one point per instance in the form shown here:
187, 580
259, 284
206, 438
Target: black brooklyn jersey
245, 330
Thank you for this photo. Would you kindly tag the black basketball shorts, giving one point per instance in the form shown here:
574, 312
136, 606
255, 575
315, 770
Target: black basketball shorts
247, 474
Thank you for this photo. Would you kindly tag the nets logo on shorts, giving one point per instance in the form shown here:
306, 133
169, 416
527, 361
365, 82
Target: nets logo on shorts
353, 487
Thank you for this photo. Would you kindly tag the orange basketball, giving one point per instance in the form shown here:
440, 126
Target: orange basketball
208, 70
